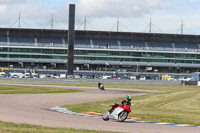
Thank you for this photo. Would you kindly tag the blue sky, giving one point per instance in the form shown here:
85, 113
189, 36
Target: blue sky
134, 15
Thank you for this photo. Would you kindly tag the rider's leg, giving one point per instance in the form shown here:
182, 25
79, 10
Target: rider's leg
113, 107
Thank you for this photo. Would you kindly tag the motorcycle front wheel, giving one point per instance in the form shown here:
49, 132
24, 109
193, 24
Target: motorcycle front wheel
105, 116
122, 116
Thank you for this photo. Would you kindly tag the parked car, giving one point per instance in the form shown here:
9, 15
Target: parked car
27, 75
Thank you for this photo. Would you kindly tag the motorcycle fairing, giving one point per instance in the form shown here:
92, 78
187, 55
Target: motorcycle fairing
116, 112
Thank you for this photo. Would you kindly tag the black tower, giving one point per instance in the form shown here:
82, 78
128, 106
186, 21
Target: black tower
71, 40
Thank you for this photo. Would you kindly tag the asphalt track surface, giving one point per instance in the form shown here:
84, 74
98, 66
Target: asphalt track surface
35, 109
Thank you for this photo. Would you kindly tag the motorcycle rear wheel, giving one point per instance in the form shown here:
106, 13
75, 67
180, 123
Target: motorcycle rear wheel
105, 116
122, 116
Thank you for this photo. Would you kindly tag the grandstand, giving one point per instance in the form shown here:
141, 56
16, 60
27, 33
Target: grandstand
100, 50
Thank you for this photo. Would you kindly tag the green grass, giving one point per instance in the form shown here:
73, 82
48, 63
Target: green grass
11, 89
24, 128
59, 84
178, 104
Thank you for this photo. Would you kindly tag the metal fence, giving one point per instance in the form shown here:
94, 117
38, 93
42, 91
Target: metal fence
92, 81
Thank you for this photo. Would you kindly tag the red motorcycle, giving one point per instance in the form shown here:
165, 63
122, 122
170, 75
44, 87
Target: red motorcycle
120, 113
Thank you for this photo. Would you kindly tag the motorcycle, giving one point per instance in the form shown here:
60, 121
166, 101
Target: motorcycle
120, 113
101, 86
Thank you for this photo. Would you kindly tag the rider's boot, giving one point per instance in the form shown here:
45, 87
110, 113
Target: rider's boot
113, 107
111, 110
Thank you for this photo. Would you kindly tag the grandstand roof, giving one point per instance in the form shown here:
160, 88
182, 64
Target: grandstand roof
20, 32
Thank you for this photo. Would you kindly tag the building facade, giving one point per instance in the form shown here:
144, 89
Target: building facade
100, 50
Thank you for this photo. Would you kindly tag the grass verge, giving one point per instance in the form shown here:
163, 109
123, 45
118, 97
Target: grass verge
11, 89
59, 84
178, 104
8, 127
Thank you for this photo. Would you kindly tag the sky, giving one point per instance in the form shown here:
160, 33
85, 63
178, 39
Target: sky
166, 16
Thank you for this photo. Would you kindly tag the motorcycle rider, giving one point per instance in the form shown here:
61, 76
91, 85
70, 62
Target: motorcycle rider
99, 84
127, 100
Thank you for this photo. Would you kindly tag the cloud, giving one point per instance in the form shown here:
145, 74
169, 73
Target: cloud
33, 14
134, 15
98, 9
2, 2
3, 8
11, 1
123, 8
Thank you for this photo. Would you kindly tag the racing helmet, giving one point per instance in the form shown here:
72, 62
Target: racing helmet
128, 98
